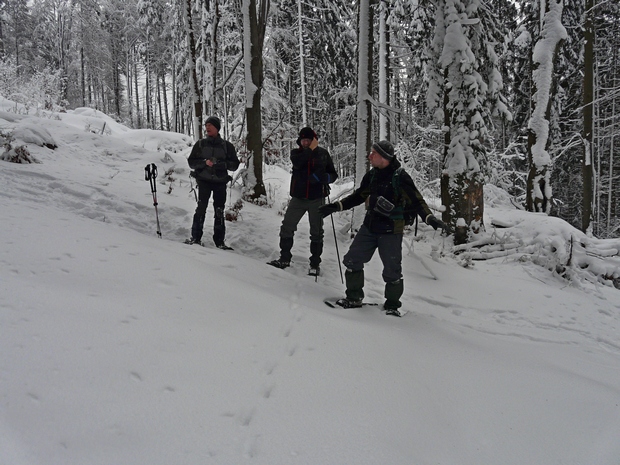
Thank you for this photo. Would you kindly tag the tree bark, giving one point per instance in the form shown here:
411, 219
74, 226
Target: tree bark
364, 89
194, 88
254, 33
588, 120
539, 192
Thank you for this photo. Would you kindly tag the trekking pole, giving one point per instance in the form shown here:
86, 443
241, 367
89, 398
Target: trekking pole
336, 242
193, 188
150, 174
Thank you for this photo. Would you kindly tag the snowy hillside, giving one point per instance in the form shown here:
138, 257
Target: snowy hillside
119, 347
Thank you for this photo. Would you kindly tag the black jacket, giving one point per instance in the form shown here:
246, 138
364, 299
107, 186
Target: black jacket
313, 171
218, 150
379, 183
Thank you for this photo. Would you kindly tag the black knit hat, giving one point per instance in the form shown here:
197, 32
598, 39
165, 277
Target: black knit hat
215, 121
306, 133
385, 149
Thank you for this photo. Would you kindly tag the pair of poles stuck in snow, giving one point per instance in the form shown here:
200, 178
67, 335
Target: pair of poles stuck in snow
150, 174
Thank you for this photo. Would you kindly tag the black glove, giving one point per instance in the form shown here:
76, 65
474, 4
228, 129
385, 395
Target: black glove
328, 209
437, 223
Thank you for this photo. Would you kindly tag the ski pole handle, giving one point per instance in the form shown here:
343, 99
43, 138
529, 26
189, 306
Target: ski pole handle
150, 174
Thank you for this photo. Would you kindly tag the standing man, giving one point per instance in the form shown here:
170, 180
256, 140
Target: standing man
387, 189
313, 171
211, 159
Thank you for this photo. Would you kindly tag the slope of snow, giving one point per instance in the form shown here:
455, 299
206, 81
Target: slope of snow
120, 347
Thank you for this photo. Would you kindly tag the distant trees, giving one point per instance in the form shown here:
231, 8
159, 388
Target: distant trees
470, 91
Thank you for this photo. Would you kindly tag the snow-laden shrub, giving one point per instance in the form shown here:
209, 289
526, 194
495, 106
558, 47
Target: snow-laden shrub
29, 131
39, 91
19, 154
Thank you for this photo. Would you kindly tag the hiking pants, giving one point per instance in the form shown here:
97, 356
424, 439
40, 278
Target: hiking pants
297, 208
363, 248
205, 189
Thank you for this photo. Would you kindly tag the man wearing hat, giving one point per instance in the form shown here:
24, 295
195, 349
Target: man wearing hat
383, 225
211, 159
313, 171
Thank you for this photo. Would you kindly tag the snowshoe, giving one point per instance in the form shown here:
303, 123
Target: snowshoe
279, 264
346, 303
192, 241
394, 312
314, 271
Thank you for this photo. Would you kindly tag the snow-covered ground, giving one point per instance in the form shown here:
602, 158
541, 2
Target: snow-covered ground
119, 347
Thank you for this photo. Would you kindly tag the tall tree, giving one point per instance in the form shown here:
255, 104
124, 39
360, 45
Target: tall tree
194, 88
254, 25
364, 93
384, 64
588, 115
465, 90
552, 34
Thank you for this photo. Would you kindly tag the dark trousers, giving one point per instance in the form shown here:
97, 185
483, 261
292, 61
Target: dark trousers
219, 200
361, 251
297, 208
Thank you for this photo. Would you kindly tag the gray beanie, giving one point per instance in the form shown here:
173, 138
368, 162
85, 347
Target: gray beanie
385, 149
215, 121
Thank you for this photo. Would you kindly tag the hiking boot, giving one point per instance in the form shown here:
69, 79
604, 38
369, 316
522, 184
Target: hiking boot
314, 271
279, 264
192, 241
347, 303
223, 246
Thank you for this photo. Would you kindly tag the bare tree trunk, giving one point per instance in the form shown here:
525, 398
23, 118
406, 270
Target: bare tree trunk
553, 34
163, 85
159, 89
82, 76
194, 89
147, 92
175, 105
254, 32
215, 20
129, 89
611, 169
384, 130
588, 120
364, 89
137, 93
302, 66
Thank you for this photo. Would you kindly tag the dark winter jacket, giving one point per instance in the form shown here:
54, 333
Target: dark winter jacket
218, 150
379, 183
313, 171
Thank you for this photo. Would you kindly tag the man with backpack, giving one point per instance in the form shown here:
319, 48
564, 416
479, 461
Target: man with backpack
313, 171
211, 159
388, 191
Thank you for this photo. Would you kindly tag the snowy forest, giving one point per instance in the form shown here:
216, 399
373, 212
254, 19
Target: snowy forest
523, 95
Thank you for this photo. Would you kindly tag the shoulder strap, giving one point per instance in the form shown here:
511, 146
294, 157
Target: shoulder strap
396, 183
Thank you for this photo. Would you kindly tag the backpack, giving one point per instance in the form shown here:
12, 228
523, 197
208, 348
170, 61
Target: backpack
402, 209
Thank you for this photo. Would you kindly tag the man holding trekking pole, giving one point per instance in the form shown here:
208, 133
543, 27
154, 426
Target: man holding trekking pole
313, 171
388, 192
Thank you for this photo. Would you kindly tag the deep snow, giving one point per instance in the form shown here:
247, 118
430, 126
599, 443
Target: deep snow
122, 348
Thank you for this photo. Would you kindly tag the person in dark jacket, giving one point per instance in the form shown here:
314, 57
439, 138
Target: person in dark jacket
313, 171
383, 225
211, 159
